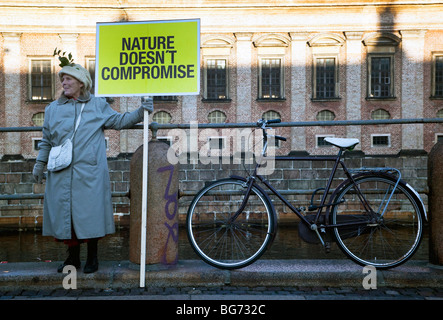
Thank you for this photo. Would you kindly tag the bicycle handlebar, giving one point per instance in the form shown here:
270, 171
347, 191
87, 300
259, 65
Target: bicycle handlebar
280, 138
262, 124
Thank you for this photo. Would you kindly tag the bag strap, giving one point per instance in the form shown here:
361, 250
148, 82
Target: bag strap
78, 121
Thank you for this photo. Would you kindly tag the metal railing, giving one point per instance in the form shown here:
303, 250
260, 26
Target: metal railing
154, 127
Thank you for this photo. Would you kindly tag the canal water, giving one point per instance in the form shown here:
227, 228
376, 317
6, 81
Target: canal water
31, 246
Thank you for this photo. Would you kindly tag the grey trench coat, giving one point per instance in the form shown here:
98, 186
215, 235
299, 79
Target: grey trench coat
81, 193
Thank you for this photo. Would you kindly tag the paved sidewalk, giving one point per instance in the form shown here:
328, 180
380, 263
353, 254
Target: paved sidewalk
228, 293
195, 280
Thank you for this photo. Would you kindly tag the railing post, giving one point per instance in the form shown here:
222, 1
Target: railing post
435, 202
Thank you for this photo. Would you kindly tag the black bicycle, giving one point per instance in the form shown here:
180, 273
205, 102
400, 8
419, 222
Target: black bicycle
374, 216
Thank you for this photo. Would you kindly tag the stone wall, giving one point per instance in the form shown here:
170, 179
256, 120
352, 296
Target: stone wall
303, 177
300, 176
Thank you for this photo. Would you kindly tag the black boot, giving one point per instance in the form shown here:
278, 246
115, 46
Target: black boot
92, 261
72, 259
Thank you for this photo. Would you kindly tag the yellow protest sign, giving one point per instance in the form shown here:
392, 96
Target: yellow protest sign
148, 58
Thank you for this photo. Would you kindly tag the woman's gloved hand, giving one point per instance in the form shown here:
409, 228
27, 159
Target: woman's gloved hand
37, 172
148, 103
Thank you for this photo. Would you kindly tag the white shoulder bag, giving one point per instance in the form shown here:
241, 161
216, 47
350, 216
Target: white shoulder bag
60, 157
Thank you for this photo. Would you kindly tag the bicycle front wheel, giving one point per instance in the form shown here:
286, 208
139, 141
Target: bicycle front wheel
221, 242
388, 225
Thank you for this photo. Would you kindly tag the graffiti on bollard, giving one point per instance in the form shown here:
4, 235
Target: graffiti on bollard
171, 201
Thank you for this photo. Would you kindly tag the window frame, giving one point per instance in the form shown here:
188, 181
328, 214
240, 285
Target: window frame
30, 76
319, 136
375, 135
205, 82
438, 136
321, 114
90, 62
38, 119
218, 115
35, 143
315, 95
166, 139
260, 77
435, 55
221, 143
162, 99
271, 115
391, 96
163, 115
380, 114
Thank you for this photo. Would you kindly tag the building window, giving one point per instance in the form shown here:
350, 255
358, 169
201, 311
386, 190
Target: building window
320, 141
440, 113
437, 79
325, 78
216, 79
325, 48
325, 115
90, 66
271, 78
40, 84
216, 143
216, 117
35, 143
167, 140
165, 98
38, 119
271, 115
162, 117
380, 77
380, 140
380, 114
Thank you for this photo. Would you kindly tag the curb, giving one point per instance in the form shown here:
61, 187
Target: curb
195, 273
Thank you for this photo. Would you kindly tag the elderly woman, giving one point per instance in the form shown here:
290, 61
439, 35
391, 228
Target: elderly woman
77, 204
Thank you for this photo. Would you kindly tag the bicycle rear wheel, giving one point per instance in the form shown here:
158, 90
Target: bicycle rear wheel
220, 242
388, 235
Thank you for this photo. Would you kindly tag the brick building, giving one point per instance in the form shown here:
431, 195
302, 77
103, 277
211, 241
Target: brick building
298, 60
293, 59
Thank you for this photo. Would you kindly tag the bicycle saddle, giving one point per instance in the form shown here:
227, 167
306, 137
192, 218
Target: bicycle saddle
343, 142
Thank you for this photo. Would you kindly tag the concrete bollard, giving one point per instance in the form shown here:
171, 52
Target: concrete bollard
435, 201
162, 207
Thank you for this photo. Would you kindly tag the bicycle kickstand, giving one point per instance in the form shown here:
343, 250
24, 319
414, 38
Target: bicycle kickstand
315, 229
327, 244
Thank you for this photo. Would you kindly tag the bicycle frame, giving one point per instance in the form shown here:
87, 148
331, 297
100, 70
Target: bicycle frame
313, 225
337, 161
